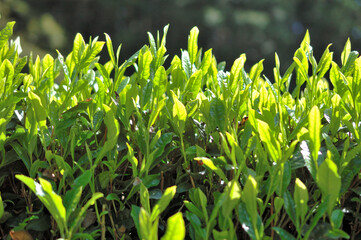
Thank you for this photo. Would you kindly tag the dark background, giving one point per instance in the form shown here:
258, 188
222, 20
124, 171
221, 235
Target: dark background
258, 28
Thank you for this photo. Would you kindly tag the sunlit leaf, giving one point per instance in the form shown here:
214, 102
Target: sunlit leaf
193, 44
175, 228
314, 126
163, 202
301, 199
329, 182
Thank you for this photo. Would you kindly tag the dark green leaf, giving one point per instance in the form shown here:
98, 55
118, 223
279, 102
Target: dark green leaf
217, 113
284, 235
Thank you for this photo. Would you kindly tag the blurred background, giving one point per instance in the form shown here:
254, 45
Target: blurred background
258, 28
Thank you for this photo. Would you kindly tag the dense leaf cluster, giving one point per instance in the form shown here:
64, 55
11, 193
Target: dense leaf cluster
188, 150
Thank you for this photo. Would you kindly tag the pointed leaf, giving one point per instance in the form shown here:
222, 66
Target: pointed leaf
272, 144
163, 202
314, 126
346, 52
175, 228
209, 163
284, 235
249, 197
192, 44
329, 182
217, 113
301, 199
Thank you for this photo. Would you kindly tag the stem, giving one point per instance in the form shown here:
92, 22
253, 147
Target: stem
103, 225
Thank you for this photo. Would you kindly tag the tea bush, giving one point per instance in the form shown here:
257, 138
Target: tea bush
188, 150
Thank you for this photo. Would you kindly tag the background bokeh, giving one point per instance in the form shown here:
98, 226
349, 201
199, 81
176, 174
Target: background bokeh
230, 27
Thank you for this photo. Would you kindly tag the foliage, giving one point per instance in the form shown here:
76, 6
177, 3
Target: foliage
186, 150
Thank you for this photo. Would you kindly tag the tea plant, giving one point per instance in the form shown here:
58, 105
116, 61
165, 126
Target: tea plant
147, 148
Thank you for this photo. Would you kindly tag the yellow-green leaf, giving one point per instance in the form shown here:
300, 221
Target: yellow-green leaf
175, 228
301, 199
179, 113
267, 137
209, 163
314, 127
39, 110
329, 181
192, 44
249, 197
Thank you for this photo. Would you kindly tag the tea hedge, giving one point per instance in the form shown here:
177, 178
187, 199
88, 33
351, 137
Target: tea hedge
177, 146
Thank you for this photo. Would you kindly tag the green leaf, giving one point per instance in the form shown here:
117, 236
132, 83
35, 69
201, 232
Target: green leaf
175, 228
6, 33
110, 49
112, 133
1, 207
194, 83
314, 126
161, 143
324, 63
346, 52
146, 94
71, 200
321, 209
196, 224
206, 61
284, 235
329, 182
133, 160
179, 114
217, 113
78, 48
348, 68
301, 71
83, 179
267, 137
104, 178
301, 199
337, 81
306, 155
48, 65
249, 197
338, 234
144, 197
77, 221
305, 44
278, 204
220, 235
135, 216
236, 70
51, 200
233, 196
336, 218
192, 208
209, 163
192, 44
290, 206
163, 202
256, 71
6, 78
144, 65
186, 64
159, 60
36, 165
245, 220
155, 113
91, 53
40, 112
160, 82
332, 148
